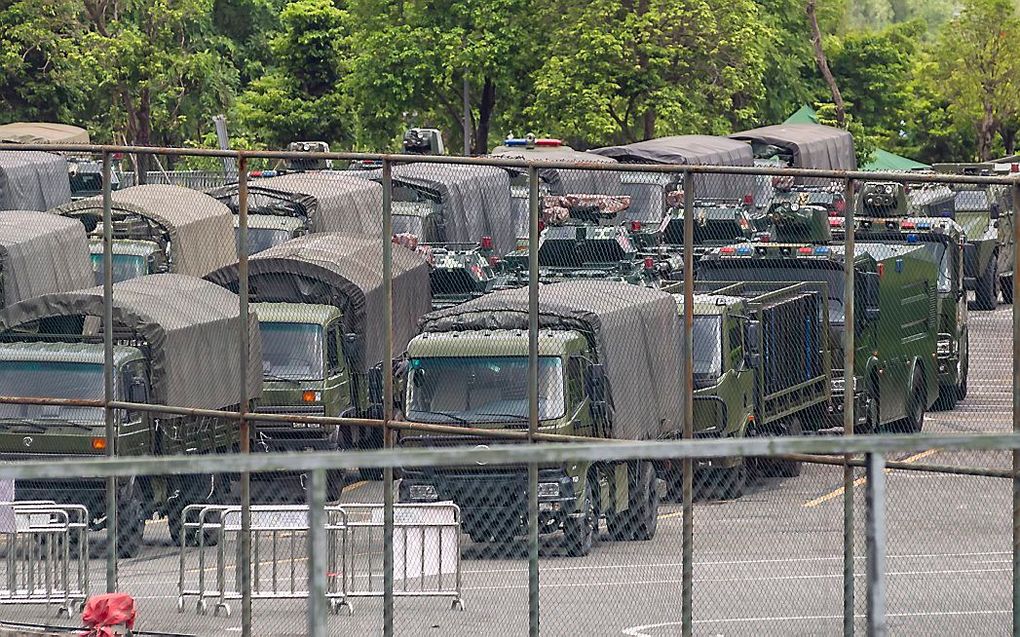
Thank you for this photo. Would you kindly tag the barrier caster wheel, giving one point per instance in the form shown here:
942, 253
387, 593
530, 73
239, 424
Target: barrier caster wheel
64, 610
224, 607
458, 604
180, 604
201, 608
345, 605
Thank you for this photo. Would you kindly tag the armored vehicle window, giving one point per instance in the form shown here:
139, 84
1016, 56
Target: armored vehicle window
291, 351
736, 345
944, 259
260, 239
483, 389
52, 379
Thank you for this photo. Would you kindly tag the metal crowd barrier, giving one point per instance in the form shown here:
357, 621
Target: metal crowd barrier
426, 552
45, 549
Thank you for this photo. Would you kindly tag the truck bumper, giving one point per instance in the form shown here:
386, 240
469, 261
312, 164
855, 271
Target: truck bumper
947, 370
324, 439
494, 503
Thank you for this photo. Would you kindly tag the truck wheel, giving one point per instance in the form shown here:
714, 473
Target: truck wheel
645, 503
985, 290
948, 395
335, 483
914, 420
782, 468
964, 370
580, 532
1006, 288
371, 474
732, 481
130, 527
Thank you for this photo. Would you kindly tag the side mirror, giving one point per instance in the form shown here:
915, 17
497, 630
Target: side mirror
994, 211
353, 347
137, 392
753, 337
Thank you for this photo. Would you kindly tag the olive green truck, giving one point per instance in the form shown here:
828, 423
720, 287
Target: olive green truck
165, 353
609, 366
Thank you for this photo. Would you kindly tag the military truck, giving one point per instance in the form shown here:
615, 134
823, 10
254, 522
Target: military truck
166, 353
320, 302
896, 323
84, 172
283, 207
41, 253
945, 239
761, 368
157, 228
31, 180
987, 217
596, 378
655, 195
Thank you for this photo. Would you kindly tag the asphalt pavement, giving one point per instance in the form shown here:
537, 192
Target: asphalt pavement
767, 563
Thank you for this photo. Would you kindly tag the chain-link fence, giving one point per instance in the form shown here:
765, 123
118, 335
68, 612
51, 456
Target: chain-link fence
639, 395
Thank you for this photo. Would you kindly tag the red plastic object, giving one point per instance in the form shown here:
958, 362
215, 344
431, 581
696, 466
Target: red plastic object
103, 612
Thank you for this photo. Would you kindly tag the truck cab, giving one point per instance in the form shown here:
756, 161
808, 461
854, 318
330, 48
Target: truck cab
131, 258
267, 230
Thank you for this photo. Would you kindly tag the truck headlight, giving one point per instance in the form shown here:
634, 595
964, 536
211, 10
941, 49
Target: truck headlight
548, 489
423, 493
944, 347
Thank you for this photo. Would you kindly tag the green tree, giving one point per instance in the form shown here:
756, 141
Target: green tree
980, 72
303, 96
621, 71
864, 144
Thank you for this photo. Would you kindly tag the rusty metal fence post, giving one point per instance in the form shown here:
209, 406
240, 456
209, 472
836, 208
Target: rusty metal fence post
687, 549
387, 178
533, 241
111, 434
849, 413
244, 425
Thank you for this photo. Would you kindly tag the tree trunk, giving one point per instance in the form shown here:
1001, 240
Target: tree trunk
485, 110
143, 135
649, 122
823, 64
986, 133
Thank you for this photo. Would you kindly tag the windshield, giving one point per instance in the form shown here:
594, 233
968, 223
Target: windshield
769, 272
260, 239
291, 351
943, 257
408, 224
125, 266
647, 202
482, 389
707, 332
48, 379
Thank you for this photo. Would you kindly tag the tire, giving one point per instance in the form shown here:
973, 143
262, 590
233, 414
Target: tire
189, 494
914, 420
732, 482
961, 382
371, 474
986, 295
782, 468
645, 504
1006, 289
948, 395
579, 533
130, 527
335, 483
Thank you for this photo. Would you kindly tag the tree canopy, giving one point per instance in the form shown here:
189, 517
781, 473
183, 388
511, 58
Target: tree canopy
932, 79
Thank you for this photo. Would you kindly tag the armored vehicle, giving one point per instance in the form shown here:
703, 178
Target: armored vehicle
655, 195
320, 302
945, 240
41, 253
987, 217
896, 322
166, 353
761, 367
284, 207
157, 228
469, 367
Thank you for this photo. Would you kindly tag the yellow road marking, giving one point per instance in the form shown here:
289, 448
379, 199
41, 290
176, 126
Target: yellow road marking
859, 481
354, 486
675, 514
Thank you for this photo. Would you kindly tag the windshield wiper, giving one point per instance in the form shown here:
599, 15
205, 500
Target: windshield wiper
446, 414
292, 381
42, 422
514, 416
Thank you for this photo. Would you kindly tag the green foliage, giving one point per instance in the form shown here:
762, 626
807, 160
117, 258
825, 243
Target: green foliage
864, 143
304, 96
620, 72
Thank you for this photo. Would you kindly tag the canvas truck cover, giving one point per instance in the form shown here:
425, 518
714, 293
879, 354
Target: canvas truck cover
636, 332
200, 229
31, 180
332, 201
191, 328
42, 133
346, 272
565, 181
706, 150
811, 145
475, 200
41, 253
